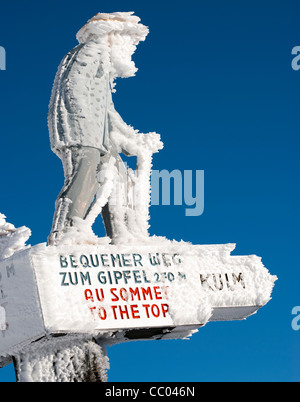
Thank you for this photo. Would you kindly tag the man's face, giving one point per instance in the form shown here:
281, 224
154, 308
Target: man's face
122, 49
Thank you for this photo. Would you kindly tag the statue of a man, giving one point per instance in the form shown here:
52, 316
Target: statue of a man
82, 116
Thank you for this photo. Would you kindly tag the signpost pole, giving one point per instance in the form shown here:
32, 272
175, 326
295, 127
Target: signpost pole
62, 359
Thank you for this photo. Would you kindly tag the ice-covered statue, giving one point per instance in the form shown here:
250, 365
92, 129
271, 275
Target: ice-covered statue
55, 320
88, 134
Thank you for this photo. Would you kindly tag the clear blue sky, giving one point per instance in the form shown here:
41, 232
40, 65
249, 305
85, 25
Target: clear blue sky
215, 79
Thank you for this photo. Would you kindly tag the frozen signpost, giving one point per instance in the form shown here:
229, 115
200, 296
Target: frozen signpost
62, 302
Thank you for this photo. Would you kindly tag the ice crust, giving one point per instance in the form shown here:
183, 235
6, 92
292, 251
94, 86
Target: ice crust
12, 239
198, 280
63, 360
106, 45
227, 281
37, 304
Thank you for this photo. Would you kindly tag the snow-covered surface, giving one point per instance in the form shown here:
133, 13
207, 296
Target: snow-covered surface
104, 23
190, 279
81, 94
93, 287
103, 288
63, 360
20, 303
12, 239
82, 113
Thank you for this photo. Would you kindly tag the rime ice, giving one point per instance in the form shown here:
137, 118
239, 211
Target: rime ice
12, 239
88, 134
60, 304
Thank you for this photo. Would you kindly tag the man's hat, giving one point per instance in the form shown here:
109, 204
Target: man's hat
122, 22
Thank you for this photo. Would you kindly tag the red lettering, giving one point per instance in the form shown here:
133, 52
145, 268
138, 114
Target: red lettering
155, 310
147, 292
122, 292
146, 306
112, 291
165, 291
157, 293
114, 311
88, 294
92, 310
102, 313
101, 296
165, 309
134, 292
134, 311
124, 312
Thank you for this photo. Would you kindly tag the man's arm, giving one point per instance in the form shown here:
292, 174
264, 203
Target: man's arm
128, 140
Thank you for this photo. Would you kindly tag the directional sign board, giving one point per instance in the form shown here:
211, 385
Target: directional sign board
167, 289
21, 318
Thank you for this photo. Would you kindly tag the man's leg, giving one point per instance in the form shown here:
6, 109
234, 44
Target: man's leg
79, 191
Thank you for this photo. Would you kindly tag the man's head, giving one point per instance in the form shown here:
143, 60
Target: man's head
121, 32
122, 48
